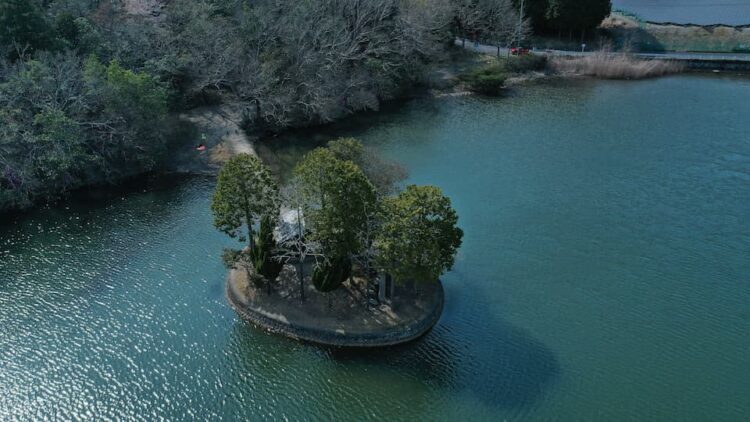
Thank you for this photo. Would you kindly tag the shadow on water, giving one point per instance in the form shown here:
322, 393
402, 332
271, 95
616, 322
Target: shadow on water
499, 365
502, 365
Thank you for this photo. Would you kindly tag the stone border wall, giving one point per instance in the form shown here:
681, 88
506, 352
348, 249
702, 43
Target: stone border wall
380, 338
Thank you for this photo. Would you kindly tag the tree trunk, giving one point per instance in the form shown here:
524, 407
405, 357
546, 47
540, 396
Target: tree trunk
381, 287
368, 282
498, 50
257, 111
463, 41
301, 275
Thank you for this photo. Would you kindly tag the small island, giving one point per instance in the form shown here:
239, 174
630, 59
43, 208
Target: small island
340, 256
346, 321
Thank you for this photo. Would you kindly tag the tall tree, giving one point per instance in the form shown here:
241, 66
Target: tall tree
467, 18
419, 237
577, 15
295, 243
337, 196
535, 11
64, 124
246, 192
503, 25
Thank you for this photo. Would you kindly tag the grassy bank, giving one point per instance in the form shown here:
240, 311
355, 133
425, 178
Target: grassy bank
629, 33
608, 65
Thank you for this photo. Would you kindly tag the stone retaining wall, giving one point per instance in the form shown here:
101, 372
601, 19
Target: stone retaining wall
380, 338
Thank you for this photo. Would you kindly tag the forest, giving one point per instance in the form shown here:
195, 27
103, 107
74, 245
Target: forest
87, 87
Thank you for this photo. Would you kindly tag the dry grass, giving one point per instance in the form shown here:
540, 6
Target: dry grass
608, 65
649, 36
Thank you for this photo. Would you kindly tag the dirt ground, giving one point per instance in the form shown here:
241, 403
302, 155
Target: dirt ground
343, 310
218, 129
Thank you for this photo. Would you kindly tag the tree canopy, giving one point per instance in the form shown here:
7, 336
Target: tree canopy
337, 217
66, 123
338, 197
283, 63
384, 175
419, 237
247, 197
246, 192
567, 15
24, 27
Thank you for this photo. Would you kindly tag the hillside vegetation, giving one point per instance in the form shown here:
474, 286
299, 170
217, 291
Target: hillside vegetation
88, 87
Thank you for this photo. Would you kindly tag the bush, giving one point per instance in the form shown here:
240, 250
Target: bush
329, 276
262, 255
489, 80
527, 63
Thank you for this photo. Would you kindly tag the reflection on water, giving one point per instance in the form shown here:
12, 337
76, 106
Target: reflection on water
602, 277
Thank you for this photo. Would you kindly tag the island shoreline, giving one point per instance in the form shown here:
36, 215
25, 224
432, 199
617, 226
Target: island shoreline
340, 337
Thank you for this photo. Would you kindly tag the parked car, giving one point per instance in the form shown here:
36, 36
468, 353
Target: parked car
519, 51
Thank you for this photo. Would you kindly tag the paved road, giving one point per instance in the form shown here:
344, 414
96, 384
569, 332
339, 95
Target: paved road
708, 57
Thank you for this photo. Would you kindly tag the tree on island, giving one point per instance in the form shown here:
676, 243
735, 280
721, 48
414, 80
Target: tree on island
247, 196
419, 237
384, 175
296, 246
337, 195
335, 214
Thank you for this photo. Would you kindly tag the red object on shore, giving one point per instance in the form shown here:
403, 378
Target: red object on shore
201, 147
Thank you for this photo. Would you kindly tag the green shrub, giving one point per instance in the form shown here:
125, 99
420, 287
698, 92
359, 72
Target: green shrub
329, 276
488, 80
262, 255
526, 63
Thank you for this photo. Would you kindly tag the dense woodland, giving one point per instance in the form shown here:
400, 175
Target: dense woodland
566, 18
87, 86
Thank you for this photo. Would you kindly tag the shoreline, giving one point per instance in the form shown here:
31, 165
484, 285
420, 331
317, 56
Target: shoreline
205, 166
304, 325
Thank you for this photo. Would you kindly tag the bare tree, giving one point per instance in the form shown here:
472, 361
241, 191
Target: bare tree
294, 246
503, 25
467, 17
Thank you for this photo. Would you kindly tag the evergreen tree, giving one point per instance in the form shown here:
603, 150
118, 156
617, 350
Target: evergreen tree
337, 198
419, 237
23, 27
245, 194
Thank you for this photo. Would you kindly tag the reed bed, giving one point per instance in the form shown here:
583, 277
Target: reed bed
609, 65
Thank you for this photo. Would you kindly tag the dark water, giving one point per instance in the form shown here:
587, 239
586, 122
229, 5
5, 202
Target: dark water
701, 12
604, 276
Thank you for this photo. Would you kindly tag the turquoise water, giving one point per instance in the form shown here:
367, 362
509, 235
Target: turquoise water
701, 12
604, 276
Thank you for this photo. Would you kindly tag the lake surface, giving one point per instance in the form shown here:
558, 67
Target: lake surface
605, 275
701, 12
